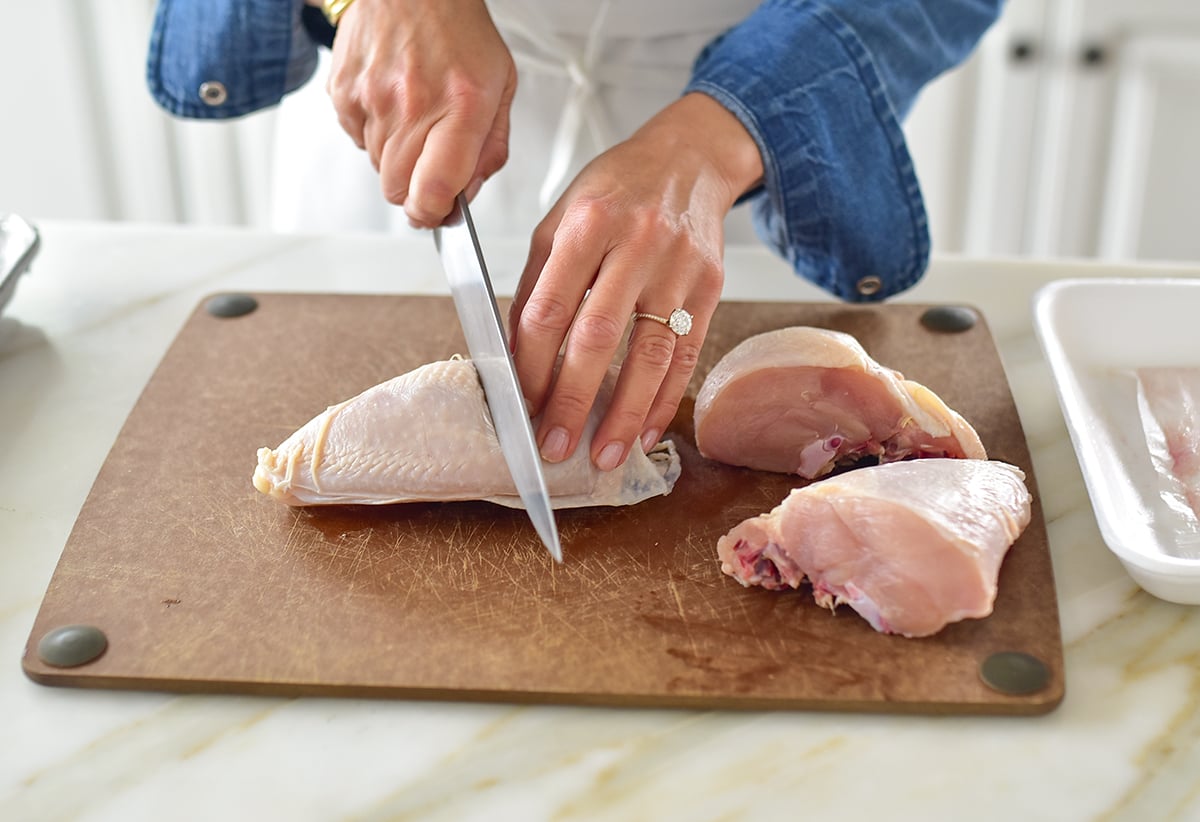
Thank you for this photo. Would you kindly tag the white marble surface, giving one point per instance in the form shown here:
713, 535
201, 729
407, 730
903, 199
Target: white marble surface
81, 338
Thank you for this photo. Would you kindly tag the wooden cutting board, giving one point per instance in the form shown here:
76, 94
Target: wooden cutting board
200, 583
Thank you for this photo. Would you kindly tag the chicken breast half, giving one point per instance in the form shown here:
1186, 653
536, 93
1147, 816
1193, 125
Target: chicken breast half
911, 546
427, 436
804, 400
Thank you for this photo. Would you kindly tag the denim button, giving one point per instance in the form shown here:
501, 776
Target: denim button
868, 285
213, 93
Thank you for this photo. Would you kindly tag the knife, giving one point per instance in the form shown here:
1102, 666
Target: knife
466, 272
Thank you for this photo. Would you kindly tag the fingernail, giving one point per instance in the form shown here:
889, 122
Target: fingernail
649, 440
610, 456
554, 447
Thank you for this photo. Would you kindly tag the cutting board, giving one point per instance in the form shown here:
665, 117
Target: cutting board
200, 583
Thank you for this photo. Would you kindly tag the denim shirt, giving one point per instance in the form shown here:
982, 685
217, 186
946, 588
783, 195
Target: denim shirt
822, 88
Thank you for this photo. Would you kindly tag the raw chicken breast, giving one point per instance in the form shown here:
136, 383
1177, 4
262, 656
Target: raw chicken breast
1169, 401
911, 546
427, 436
804, 400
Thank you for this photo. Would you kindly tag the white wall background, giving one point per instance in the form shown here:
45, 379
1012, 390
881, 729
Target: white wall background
1085, 146
80, 137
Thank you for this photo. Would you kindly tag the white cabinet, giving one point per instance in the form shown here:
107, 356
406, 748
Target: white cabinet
1153, 172
1076, 125
80, 137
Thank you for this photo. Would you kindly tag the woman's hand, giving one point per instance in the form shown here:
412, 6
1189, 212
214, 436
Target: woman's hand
425, 86
641, 229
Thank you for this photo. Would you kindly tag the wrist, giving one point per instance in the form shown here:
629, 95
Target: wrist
724, 141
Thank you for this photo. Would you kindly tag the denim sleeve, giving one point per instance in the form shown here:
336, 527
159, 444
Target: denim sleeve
257, 50
822, 88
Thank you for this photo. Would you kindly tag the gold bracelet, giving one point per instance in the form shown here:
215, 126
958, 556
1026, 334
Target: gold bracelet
334, 9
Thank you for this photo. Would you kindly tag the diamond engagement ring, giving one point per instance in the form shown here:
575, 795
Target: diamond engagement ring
680, 321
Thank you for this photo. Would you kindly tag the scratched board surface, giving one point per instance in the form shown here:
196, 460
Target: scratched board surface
200, 583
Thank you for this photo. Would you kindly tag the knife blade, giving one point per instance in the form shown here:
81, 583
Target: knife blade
475, 302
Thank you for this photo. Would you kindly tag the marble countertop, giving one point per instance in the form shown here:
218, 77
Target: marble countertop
84, 332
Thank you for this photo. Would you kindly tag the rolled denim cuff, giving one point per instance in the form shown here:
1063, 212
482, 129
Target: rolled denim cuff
840, 200
255, 51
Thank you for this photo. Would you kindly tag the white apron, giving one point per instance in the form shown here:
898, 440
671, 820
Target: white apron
588, 75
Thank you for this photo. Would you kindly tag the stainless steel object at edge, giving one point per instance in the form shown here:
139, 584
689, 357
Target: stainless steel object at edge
475, 301
19, 243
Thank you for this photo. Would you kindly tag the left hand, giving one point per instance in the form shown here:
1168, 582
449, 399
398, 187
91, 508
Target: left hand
640, 229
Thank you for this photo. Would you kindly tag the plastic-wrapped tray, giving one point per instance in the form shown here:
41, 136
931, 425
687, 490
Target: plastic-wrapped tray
1096, 334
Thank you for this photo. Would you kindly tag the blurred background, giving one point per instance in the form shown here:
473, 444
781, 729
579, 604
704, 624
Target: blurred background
1073, 131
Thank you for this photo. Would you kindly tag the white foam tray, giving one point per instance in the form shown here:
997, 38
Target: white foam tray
1094, 332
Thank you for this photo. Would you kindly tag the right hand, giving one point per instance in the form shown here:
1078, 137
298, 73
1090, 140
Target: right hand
425, 87
640, 229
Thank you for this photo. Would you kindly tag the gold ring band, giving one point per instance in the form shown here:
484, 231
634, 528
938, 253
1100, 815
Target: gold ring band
680, 321
334, 9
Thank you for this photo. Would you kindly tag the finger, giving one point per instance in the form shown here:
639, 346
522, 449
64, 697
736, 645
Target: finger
647, 361
398, 157
674, 385
486, 168
494, 153
547, 310
592, 342
353, 121
375, 133
539, 252
703, 302
472, 189
340, 88
444, 167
